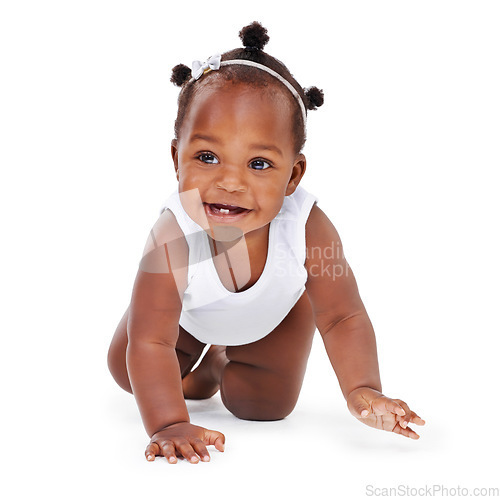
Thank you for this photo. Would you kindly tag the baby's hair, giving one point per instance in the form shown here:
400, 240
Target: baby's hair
254, 38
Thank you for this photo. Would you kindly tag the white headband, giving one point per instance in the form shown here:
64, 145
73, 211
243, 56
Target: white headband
213, 63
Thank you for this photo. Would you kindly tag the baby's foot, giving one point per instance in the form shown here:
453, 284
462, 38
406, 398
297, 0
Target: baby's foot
204, 381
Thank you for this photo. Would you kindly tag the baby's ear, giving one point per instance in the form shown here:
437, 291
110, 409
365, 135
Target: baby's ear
298, 171
174, 150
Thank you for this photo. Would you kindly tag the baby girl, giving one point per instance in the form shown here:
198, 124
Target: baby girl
244, 260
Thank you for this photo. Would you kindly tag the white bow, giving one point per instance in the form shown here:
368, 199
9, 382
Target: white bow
198, 67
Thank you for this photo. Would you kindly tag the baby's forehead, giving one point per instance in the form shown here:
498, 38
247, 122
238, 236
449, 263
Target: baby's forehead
222, 106
265, 86
255, 109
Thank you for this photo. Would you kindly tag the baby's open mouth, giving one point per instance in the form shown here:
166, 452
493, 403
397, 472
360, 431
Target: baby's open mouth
221, 209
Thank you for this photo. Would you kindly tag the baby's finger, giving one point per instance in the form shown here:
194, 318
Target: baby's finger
408, 432
412, 419
152, 449
358, 405
187, 451
384, 405
417, 420
168, 451
201, 449
410, 416
406, 418
215, 438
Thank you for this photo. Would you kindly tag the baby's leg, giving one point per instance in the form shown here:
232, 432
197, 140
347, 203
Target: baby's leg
204, 381
188, 351
261, 380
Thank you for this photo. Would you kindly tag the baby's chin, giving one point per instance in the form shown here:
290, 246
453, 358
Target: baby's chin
224, 232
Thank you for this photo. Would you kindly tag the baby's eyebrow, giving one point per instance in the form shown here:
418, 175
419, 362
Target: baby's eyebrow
269, 147
201, 137
209, 138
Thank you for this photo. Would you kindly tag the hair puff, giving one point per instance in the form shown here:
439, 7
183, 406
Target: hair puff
254, 36
180, 74
315, 97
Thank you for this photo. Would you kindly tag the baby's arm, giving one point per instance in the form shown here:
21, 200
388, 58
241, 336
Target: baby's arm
347, 331
153, 329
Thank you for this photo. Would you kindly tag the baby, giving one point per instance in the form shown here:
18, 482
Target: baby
243, 259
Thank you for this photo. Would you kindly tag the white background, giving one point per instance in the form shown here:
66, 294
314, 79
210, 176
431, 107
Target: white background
403, 157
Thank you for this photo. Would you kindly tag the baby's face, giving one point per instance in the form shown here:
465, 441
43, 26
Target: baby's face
235, 149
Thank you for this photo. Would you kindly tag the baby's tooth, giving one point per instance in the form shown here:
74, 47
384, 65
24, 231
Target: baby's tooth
224, 210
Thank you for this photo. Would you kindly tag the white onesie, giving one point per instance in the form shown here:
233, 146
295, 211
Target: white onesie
213, 314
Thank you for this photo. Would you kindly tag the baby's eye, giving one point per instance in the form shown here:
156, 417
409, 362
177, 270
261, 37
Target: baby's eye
260, 164
208, 158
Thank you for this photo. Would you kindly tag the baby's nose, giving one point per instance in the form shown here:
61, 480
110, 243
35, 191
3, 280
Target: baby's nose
231, 178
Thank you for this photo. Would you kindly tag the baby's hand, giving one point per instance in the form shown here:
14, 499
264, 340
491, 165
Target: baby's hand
376, 410
184, 440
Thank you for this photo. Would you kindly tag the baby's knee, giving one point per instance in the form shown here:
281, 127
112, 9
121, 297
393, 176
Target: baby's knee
244, 399
118, 368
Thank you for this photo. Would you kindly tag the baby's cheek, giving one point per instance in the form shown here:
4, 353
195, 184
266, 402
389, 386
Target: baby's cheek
193, 205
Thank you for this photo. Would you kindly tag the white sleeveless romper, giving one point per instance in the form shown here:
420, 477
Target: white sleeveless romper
213, 314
